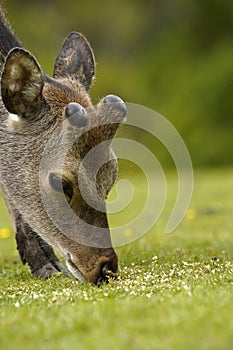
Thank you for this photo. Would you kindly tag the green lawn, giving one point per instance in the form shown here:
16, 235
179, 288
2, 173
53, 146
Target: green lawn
175, 291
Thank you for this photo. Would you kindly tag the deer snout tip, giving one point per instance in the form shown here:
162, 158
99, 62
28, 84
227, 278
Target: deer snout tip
107, 272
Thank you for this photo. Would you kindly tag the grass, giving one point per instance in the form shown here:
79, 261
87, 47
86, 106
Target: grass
175, 291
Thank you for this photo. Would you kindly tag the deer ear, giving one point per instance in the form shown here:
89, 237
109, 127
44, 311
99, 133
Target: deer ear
75, 60
22, 82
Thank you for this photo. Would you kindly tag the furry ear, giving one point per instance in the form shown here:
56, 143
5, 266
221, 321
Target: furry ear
75, 60
22, 82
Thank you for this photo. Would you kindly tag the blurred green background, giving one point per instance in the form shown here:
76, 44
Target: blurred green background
174, 56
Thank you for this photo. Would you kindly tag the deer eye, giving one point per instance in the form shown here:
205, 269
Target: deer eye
61, 185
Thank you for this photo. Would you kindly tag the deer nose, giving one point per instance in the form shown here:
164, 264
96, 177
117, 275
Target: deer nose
107, 271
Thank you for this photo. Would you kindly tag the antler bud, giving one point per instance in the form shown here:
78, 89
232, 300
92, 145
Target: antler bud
116, 103
76, 114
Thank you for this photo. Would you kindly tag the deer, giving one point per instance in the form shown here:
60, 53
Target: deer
35, 108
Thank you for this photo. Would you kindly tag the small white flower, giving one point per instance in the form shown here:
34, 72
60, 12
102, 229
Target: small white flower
17, 304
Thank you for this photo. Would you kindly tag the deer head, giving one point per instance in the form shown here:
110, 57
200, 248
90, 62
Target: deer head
62, 166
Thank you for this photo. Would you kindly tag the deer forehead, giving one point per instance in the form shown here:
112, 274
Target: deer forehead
63, 91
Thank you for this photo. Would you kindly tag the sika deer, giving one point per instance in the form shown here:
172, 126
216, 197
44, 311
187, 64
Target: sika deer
34, 109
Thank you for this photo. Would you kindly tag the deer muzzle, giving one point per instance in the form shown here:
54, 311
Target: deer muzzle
98, 270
